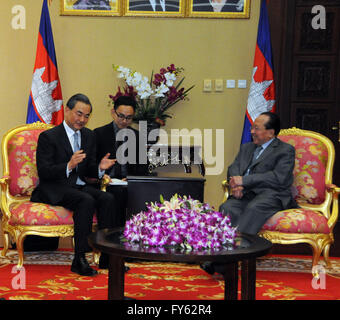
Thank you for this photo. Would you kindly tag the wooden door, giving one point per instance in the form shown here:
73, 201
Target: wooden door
307, 68
307, 72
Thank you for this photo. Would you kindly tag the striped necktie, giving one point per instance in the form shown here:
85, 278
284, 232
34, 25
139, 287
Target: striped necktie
76, 141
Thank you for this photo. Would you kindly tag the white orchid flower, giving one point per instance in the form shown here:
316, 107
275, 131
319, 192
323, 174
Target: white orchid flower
123, 72
137, 79
170, 78
128, 80
160, 90
144, 90
144, 94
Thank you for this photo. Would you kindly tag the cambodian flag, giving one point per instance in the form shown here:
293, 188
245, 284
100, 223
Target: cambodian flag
45, 102
262, 89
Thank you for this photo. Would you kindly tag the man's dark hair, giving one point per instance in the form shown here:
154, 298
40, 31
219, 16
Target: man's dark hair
126, 101
79, 97
273, 122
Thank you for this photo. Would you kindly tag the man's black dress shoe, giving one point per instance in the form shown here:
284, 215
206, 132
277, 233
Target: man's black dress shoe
82, 267
104, 262
208, 267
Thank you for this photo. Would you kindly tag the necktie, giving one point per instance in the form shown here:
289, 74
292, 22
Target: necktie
76, 147
76, 141
256, 154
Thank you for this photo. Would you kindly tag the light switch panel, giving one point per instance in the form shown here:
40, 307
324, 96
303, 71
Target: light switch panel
230, 84
242, 84
219, 85
207, 85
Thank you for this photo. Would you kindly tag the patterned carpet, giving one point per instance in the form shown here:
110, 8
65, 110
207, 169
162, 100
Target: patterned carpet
268, 263
48, 277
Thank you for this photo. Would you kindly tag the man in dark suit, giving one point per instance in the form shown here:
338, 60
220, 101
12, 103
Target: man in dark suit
66, 155
111, 138
260, 178
260, 183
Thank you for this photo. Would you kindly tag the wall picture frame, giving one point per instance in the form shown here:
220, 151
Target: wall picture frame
238, 9
154, 8
91, 7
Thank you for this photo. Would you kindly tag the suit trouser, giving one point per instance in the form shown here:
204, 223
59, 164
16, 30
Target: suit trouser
84, 201
252, 211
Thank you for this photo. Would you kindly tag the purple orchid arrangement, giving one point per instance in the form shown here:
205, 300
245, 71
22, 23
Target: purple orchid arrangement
181, 222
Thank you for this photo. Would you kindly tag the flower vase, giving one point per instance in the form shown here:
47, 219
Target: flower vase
152, 132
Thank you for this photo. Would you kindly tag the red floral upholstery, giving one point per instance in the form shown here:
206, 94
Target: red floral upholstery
309, 187
313, 222
310, 166
40, 214
297, 221
22, 162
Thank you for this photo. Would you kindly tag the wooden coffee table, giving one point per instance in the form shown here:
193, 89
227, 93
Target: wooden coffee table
249, 247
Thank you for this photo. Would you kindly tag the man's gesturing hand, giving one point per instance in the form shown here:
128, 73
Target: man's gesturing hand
76, 158
106, 163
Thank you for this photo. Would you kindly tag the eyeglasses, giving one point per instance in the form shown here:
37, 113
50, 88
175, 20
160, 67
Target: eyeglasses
123, 117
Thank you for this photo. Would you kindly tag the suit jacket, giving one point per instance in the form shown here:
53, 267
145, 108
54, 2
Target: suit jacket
54, 151
272, 171
106, 142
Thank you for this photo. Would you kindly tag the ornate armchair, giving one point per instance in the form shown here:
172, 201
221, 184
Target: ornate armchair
314, 192
20, 216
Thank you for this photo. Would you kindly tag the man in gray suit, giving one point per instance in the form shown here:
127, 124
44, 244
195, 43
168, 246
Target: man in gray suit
260, 179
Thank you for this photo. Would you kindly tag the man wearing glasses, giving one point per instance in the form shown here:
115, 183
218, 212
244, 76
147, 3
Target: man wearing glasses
121, 141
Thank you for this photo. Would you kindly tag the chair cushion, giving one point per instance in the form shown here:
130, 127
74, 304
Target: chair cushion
309, 171
297, 221
40, 214
37, 214
22, 162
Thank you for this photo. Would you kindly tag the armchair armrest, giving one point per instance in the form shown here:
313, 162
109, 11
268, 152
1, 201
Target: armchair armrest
4, 181
335, 190
104, 182
225, 187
